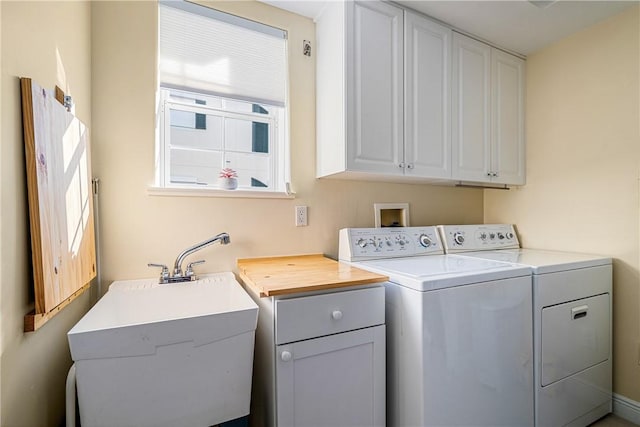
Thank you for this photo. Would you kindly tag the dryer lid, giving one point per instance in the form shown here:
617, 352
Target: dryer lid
543, 261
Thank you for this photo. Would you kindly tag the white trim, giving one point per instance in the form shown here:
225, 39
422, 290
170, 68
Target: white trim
213, 192
626, 408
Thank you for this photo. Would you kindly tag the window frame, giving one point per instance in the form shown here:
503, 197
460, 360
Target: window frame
279, 142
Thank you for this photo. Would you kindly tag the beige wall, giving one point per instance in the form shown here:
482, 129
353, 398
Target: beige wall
49, 42
583, 157
583, 166
138, 228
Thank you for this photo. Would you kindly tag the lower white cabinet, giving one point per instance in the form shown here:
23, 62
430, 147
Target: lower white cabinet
336, 380
320, 359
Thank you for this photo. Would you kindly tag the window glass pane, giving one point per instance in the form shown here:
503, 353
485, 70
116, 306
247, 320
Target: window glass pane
195, 130
254, 170
246, 136
192, 166
244, 107
194, 99
262, 109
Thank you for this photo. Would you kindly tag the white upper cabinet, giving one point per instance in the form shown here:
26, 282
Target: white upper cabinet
488, 114
374, 87
427, 138
383, 93
507, 118
471, 151
400, 97
359, 89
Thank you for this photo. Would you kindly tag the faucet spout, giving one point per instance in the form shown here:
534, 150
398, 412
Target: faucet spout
223, 238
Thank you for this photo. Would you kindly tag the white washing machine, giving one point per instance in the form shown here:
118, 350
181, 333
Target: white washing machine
459, 330
572, 321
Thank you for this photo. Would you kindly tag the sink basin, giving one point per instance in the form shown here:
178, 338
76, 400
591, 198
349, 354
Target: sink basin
173, 354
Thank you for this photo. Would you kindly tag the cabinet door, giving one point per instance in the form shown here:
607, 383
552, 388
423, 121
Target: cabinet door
471, 153
338, 380
427, 97
507, 112
374, 87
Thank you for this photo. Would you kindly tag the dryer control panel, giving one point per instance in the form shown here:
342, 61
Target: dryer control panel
478, 237
360, 244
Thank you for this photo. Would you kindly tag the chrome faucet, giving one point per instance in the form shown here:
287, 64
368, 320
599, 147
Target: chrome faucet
188, 275
177, 267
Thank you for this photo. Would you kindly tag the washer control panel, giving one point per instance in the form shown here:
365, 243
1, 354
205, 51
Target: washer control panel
359, 244
479, 237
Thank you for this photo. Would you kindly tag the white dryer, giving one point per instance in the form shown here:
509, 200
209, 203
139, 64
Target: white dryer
572, 321
459, 330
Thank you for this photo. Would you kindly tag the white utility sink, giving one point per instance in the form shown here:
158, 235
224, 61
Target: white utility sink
166, 355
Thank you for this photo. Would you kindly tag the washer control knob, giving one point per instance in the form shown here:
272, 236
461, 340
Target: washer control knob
389, 243
492, 236
285, 356
336, 315
500, 236
483, 236
510, 235
458, 238
425, 240
362, 243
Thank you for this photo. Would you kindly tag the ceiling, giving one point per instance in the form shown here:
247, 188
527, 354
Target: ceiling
516, 25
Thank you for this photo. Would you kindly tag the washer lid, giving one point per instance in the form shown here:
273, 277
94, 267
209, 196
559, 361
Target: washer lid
432, 272
543, 261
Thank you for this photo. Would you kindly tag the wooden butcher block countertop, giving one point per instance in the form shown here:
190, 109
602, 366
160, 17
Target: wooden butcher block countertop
301, 273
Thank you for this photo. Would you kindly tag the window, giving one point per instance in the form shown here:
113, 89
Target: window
222, 100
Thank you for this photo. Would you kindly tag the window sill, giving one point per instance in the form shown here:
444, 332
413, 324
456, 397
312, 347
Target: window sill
214, 192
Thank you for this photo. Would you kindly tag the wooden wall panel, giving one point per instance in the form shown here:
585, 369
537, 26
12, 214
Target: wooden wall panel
60, 199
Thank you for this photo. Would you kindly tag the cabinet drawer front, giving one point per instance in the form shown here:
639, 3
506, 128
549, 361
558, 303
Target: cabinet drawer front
314, 316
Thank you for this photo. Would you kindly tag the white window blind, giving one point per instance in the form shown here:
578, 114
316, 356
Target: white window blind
208, 51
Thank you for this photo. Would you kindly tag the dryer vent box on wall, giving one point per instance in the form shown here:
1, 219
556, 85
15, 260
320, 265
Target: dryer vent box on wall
391, 214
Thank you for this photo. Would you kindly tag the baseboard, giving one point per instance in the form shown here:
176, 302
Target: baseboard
626, 408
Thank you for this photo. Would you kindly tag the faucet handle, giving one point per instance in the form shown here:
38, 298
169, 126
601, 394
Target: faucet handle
189, 271
164, 274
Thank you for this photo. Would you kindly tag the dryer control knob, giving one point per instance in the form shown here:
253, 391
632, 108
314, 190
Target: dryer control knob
458, 238
425, 240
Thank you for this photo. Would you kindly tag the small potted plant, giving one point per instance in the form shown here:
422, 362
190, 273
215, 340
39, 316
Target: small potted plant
228, 179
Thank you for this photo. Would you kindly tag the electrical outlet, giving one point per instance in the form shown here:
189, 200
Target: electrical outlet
301, 216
